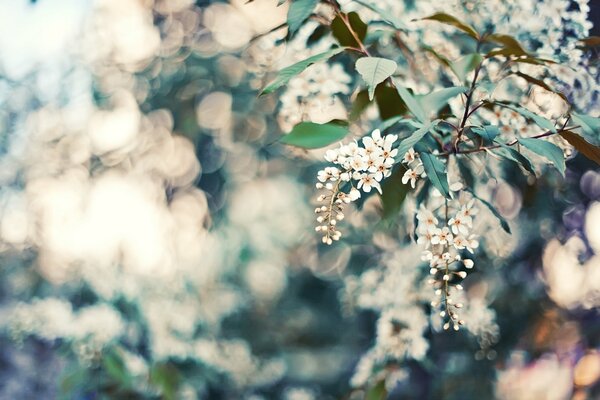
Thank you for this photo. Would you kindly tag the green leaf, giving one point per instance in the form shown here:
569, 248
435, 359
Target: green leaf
388, 123
442, 59
310, 135
359, 104
280, 2
465, 171
503, 221
394, 22
589, 125
433, 102
343, 35
587, 149
436, 172
377, 392
450, 20
394, 192
487, 132
513, 155
466, 64
167, 378
412, 104
547, 150
509, 43
540, 83
298, 12
389, 102
375, 70
115, 367
412, 140
288, 73
540, 121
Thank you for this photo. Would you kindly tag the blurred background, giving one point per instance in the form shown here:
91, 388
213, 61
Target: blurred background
155, 241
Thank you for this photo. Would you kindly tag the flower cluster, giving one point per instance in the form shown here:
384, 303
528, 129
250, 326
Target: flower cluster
366, 166
415, 168
445, 232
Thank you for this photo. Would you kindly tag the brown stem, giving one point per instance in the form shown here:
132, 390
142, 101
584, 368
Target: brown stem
486, 148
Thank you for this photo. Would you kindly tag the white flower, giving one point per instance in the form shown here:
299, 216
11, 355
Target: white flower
412, 175
367, 181
329, 173
468, 210
332, 155
358, 162
410, 156
354, 194
426, 217
460, 224
472, 243
442, 236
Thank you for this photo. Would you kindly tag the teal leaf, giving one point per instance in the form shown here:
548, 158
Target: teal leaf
589, 125
540, 121
547, 150
433, 102
310, 135
413, 105
436, 173
298, 12
385, 16
450, 20
487, 132
375, 70
503, 222
388, 123
412, 140
288, 73
513, 155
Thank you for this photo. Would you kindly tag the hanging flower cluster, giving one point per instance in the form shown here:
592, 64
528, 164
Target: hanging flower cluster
362, 167
445, 232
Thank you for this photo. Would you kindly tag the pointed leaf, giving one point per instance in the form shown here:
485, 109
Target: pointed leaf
540, 83
466, 64
508, 42
343, 35
547, 150
450, 20
412, 140
288, 73
587, 149
389, 102
310, 135
493, 210
513, 155
487, 132
538, 119
591, 41
433, 102
359, 105
394, 192
298, 12
589, 125
436, 173
375, 70
412, 104
394, 22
